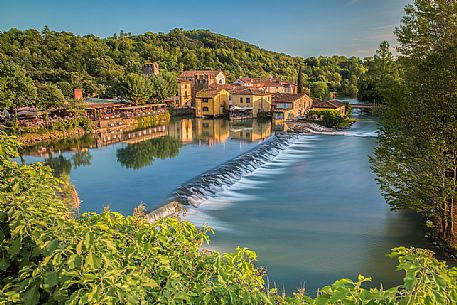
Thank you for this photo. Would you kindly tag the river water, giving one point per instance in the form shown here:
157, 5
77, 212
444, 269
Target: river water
311, 208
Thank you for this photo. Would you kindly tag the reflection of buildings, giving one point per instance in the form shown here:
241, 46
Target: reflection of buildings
181, 130
201, 131
133, 136
255, 131
211, 132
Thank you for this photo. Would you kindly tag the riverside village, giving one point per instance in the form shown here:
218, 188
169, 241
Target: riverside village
257, 153
199, 93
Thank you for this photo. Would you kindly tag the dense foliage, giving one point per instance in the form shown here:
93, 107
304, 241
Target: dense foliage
416, 160
112, 66
50, 256
328, 118
383, 75
333, 74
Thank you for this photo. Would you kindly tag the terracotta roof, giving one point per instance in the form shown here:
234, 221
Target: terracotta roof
260, 80
193, 73
222, 86
248, 91
333, 104
289, 97
208, 93
271, 84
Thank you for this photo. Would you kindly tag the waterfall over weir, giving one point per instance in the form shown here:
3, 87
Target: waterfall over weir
218, 179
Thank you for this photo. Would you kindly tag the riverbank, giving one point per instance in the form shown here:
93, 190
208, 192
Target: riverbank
35, 138
79, 127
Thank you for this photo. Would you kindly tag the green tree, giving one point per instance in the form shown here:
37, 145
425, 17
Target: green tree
300, 80
416, 160
17, 88
95, 63
319, 90
163, 86
49, 96
383, 74
136, 88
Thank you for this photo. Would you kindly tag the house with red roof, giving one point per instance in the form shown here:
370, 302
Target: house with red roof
290, 107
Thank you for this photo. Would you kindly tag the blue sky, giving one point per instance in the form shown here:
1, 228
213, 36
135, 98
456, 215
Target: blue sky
300, 28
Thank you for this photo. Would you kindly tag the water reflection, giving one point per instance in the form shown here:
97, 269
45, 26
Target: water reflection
141, 154
143, 146
212, 132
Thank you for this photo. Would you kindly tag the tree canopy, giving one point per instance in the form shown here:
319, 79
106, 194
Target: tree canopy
383, 75
416, 160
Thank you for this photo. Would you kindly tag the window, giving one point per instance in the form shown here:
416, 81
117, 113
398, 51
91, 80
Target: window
248, 100
205, 100
241, 100
205, 109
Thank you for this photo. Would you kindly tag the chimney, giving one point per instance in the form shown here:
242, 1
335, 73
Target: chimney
78, 93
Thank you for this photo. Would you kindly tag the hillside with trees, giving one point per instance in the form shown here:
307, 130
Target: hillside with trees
52, 63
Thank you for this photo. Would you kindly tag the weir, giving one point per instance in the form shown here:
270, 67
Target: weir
219, 178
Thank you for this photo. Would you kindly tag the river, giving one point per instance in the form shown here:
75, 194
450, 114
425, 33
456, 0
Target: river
311, 209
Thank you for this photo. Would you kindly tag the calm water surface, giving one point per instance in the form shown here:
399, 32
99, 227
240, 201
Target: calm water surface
313, 213
146, 166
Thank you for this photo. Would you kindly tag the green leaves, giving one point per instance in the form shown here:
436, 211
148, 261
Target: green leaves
51, 278
31, 296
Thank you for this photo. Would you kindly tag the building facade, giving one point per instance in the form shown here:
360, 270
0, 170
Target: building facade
290, 107
212, 103
150, 68
201, 79
252, 99
184, 93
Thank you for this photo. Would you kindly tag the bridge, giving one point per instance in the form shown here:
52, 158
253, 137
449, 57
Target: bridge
364, 106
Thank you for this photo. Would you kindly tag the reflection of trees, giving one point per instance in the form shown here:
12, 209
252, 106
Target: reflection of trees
81, 158
142, 154
59, 164
61, 144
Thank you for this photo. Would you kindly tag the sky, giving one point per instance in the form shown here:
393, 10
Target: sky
296, 27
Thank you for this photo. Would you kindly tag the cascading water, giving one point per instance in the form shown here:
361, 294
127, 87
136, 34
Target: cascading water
218, 179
